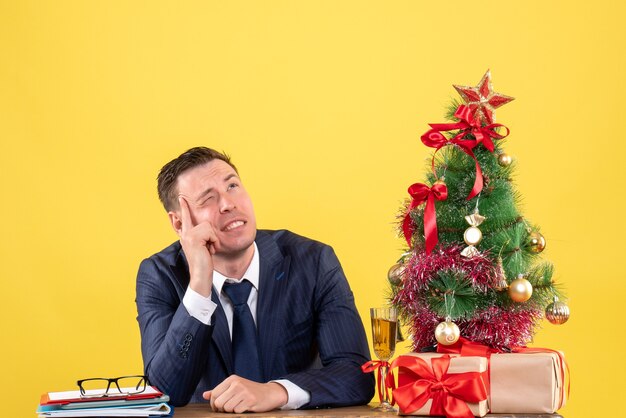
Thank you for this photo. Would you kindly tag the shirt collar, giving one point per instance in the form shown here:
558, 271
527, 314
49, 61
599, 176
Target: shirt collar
251, 274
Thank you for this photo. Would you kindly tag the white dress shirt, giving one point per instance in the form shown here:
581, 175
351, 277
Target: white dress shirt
203, 308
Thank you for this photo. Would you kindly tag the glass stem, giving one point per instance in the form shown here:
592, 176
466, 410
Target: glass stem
383, 384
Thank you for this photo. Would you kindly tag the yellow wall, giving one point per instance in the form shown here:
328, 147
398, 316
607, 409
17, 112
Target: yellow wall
321, 104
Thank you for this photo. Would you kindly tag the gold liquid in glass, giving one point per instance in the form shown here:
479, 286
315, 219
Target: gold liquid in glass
384, 336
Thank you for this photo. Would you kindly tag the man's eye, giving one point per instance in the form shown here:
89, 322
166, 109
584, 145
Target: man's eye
207, 200
232, 186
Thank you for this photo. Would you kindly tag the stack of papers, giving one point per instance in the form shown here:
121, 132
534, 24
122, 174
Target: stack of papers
149, 403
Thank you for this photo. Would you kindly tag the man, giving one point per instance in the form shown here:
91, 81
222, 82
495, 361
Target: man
260, 350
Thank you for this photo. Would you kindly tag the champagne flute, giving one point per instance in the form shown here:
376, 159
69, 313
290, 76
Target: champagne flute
384, 325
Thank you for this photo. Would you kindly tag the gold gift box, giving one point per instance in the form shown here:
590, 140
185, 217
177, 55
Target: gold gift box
530, 383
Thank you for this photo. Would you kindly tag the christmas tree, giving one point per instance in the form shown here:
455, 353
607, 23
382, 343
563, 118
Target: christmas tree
473, 265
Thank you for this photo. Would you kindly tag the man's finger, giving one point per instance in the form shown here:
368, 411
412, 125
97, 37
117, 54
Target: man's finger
235, 404
217, 392
207, 395
212, 403
185, 215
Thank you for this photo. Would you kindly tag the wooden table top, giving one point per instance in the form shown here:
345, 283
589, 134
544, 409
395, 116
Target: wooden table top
364, 411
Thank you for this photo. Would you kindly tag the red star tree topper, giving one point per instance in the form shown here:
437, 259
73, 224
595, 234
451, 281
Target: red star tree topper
482, 100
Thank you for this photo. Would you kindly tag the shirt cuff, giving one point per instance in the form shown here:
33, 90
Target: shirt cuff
296, 396
198, 306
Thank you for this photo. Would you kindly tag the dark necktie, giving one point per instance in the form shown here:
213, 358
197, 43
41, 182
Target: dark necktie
244, 342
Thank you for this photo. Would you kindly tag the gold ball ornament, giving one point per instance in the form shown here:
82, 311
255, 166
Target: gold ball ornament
520, 289
395, 274
472, 236
441, 181
504, 160
536, 242
447, 333
557, 312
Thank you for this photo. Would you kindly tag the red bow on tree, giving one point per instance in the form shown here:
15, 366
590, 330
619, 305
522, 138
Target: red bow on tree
450, 393
471, 125
422, 193
468, 125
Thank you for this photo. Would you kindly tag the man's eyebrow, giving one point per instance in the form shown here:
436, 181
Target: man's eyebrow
230, 176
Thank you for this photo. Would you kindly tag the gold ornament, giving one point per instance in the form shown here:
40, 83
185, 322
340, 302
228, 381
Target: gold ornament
501, 282
395, 274
441, 181
447, 332
472, 235
520, 289
504, 160
557, 312
536, 242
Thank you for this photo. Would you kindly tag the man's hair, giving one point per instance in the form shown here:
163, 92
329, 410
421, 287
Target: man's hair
168, 176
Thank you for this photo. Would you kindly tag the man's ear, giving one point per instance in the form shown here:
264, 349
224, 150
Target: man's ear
176, 222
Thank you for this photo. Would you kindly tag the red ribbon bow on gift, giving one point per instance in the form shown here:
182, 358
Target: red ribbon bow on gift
422, 193
389, 382
450, 393
468, 125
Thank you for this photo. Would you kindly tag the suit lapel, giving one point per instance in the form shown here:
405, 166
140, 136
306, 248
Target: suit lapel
180, 271
221, 335
273, 276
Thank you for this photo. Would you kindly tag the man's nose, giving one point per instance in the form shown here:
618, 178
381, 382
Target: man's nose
226, 203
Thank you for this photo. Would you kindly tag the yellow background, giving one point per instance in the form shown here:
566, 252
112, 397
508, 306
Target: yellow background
321, 105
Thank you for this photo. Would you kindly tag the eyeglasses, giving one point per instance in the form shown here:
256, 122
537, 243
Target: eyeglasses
100, 387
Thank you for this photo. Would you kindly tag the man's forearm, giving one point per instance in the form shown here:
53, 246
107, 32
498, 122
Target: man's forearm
177, 363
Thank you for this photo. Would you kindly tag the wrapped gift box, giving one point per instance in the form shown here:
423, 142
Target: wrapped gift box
458, 365
526, 383
531, 382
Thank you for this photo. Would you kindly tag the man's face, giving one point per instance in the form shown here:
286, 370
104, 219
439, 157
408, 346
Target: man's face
216, 196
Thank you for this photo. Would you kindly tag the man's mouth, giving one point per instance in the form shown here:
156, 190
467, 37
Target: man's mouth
233, 225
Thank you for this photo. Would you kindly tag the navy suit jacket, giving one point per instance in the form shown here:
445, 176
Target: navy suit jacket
305, 314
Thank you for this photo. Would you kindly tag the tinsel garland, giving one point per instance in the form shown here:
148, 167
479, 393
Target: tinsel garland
422, 268
496, 326
501, 328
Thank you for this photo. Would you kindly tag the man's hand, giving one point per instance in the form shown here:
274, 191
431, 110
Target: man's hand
199, 243
236, 394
